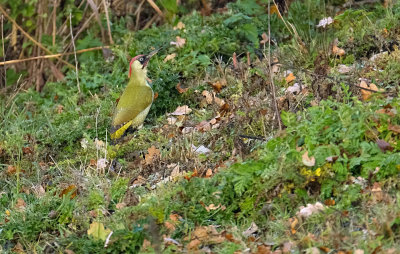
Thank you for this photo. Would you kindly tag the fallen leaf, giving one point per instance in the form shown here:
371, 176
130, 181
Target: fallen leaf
169, 57
383, 145
290, 77
358, 251
171, 120
394, 128
181, 110
174, 217
219, 102
180, 89
325, 22
329, 202
309, 162
208, 96
67, 251
372, 88
293, 223
170, 226
294, 88
310, 209
331, 158
343, 69
203, 126
179, 26
208, 173
265, 38
11, 170
179, 42
18, 248
70, 190
27, 150
274, 9
38, 190
60, 109
250, 230
194, 244
200, 150
102, 163
212, 207
20, 205
97, 231
152, 153
119, 206
338, 51
218, 85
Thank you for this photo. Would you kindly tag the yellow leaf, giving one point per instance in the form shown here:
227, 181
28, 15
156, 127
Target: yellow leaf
289, 78
97, 231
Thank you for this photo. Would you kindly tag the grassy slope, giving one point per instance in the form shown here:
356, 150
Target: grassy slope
52, 191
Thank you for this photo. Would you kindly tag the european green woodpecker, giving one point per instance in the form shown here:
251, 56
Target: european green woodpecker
135, 102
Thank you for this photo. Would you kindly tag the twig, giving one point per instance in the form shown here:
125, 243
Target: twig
155, 7
4, 52
270, 68
30, 37
76, 59
54, 21
253, 137
108, 22
96, 12
51, 56
148, 24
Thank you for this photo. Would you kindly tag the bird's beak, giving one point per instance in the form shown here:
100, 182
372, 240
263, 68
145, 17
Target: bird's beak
148, 56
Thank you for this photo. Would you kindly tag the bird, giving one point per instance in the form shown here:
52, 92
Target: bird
135, 102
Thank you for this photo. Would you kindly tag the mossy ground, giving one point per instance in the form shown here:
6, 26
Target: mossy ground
160, 195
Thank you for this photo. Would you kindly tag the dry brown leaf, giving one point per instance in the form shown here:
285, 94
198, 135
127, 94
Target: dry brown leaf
174, 217
18, 248
169, 57
170, 226
218, 85
67, 251
394, 128
265, 38
250, 230
338, 51
171, 120
181, 110
289, 78
203, 126
152, 153
194, 244
209, 173
208, 96
212, 207
60, 109
219, 102
310, 209
119, 206
20, 205
180, 89
72, 190
179, 43
329, 202
179, 26
11, 170
309, 162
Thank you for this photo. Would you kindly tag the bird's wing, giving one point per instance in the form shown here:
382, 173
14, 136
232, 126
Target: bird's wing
132, 102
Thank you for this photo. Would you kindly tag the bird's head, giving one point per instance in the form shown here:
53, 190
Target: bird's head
140, 61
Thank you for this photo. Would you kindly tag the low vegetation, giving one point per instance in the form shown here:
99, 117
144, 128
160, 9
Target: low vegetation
262, 139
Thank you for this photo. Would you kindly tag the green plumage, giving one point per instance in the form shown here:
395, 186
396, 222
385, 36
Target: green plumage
134, 103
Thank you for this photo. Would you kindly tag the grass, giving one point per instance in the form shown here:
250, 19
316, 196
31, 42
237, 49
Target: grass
51, 142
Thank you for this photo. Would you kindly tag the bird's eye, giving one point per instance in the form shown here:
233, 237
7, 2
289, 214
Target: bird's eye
141, 59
